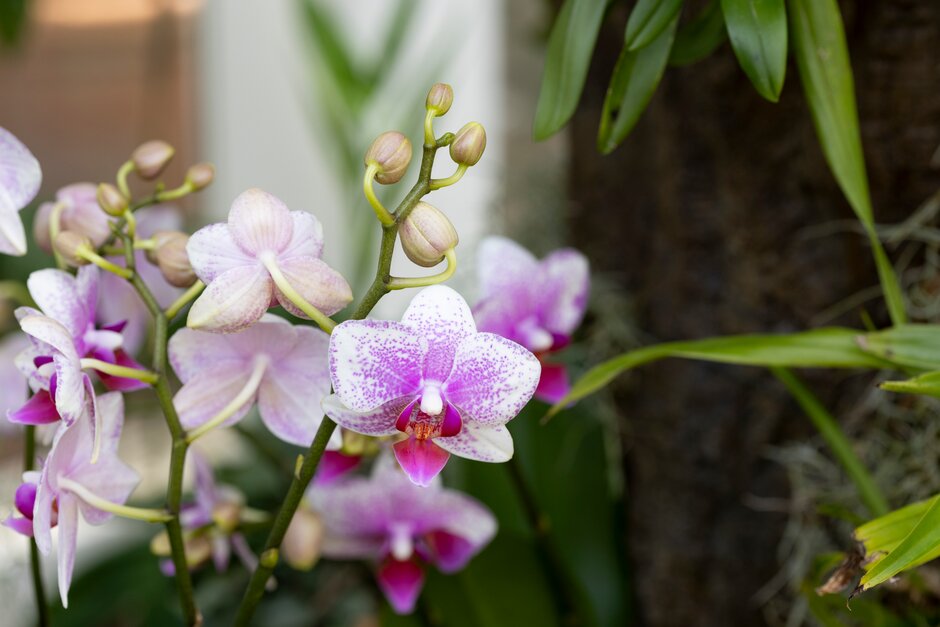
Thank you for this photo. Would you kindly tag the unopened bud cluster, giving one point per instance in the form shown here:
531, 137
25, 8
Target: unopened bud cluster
391, 154
468, 144
426, 235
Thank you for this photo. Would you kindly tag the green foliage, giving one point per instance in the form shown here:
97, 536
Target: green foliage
919, 545
635, 79
566, 63
758, 33
12, 20
648, 20
926, 385
913, 347
699, 37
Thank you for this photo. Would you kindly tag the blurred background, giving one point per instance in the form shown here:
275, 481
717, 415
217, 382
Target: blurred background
685, 494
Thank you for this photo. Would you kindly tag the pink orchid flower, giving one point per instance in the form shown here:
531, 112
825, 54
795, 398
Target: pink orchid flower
538, 304
63, 333
13, 387
433, 377
68, 482
279, 366
261, 244
402, 527
79, 212
25, 502
20, 177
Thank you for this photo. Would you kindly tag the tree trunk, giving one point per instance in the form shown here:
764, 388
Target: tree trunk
704, 216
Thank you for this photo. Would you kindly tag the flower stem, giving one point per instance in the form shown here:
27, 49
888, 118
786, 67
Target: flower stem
119, 371
123, 172
450, 180
369, 191
241, 399
125, 511
42, 609
397, 283
184, 299
174, 490
86, 253
322, 320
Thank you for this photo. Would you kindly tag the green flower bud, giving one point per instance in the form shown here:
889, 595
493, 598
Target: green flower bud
391, 153
440, 97
171, 257
151, 158
200, 176
110, 199
68, 244
426, 234
468, 144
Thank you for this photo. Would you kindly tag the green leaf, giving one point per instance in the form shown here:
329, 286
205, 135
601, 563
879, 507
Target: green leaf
829, 347
566, 64
926, 385
758, 33
886, 532
910, 346
917, 547
648, 20
699, 37
822, 56
635, 78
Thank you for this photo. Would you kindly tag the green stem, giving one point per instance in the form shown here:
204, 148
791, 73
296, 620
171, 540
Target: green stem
840, 446
119, 371
42, 609
398, 283
380, 286
369, 192
174, 490
125, 511
187, 296
323, 321
552, 563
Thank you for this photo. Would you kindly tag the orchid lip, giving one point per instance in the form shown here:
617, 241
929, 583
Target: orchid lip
423, 425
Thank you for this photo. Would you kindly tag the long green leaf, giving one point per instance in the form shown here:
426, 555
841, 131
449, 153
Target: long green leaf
566, 63
913, 347
648, 20
840, 446
758, 33
925, 385
632, 85
700, 36
823, 60
919, 545
830, 347
886, 532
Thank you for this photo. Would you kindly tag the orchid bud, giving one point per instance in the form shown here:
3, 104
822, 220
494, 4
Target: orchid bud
391, 153
440, 97
151, 158
172, 259
426, 234
468, 144
302, 543
111, 200
200, 176
68, 244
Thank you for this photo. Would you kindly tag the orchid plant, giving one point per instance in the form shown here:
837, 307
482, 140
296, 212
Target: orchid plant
443, 381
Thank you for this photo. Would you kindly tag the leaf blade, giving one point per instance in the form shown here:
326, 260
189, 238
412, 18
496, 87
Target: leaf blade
758, 33
922, 542
700, 37
648, 20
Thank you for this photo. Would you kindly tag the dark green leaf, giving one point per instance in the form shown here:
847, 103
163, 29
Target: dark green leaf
910, 346
632, 85
566, 63
823, 60
832, 347
648, 20
758, 33
700, 37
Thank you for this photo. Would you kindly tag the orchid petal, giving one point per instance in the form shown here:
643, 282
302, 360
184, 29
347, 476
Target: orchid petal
22, 526
504, 267
192, 352
480, 443
377, 422
307, 236
12, 233
442, 317
401, 583
68, 539
260, 222
492, 380
319, 284
450, 552
20, 177
374, 361
233, 301
422, 460
333, 466
38, 410
553, 384
212, 251
207, 393
562, 290
110, 479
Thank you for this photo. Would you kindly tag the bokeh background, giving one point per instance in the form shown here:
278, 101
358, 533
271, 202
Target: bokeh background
685, 494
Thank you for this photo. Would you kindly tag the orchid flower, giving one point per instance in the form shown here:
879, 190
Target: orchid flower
402, 527
279, 366
13, 387
20, 177
25, 503
433, 377
76, 209
69, 484
536, 303
264, 255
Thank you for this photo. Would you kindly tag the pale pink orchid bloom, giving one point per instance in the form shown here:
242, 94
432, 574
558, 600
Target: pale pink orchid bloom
14, 391
280, 366
69, 480
434, 378
401, 528
538, 304
79, 212
20, 177
240, 260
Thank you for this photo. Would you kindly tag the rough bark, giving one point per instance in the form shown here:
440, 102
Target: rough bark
703, 215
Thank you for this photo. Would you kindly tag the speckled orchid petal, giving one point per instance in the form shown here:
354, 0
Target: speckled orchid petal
319, 284
554, 384
440, 316
68, 542
376, 422
479, 443
56, 293
20, 177
235, 300
207, 393
212, 251
373, 362
260, 222
69, 394
307, 236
